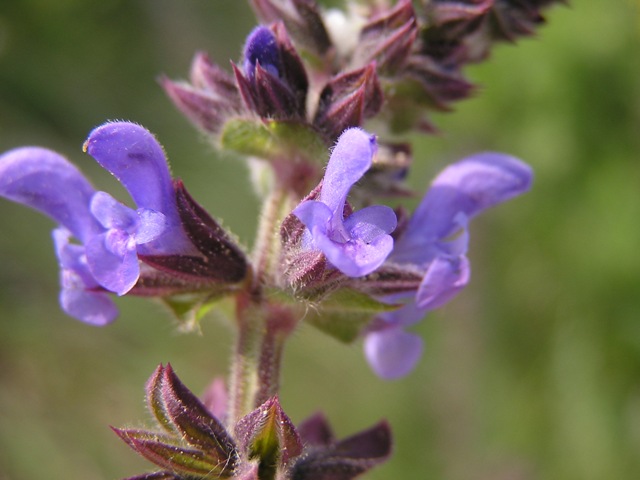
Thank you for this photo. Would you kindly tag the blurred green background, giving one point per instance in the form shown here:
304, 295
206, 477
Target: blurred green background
532, 373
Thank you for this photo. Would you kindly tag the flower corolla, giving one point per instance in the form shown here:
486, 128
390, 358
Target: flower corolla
108, 235
435, 242
357, 243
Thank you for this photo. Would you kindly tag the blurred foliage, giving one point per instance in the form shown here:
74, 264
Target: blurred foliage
532, 373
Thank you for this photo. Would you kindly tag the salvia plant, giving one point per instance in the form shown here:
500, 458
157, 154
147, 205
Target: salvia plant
316, 105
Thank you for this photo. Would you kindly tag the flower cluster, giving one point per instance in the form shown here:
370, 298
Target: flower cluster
420, 268
392, 61
327, 249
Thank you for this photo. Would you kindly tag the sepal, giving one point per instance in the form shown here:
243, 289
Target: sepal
346, 459
302, 19
221, 260
272, 81
180, 411
388, 38
511, 20
442, 12
305, 272
155, 476
268, 436
194, 443
265, 444
348, 100
316, 431
179, 460
210, 98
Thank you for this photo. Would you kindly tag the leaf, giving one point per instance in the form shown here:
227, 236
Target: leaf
345, 312
274, 140
189, 309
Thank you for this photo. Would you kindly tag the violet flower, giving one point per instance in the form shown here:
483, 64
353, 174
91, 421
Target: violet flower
261, 49
110, 234
435, 242
273, 81
360, 243
133, 155
47, 182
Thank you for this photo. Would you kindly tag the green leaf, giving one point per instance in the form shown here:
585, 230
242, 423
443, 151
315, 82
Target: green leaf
274, 140
344, 313
189, 309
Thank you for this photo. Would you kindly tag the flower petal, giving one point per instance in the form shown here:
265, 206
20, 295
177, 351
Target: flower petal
354, 258
371, 222
313, 214
444, 278
133, 155
115, 267
408, 314
79, 295
350, 159
466, 187
113, 214
151, 225
360, 244
261, 48
392, 353
47, 182
94, 308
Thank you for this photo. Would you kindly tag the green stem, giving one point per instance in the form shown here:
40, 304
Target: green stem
280, 323
255, 375
262, 327
245, 363
277, 206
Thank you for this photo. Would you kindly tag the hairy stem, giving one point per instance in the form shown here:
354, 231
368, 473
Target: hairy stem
255, 375
262, 327
246, 358
277, 206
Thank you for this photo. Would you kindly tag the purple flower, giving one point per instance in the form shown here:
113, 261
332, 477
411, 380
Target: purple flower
273, 80
435, 242
133, 155
261, 49
47, 182
110, 234
360, 243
